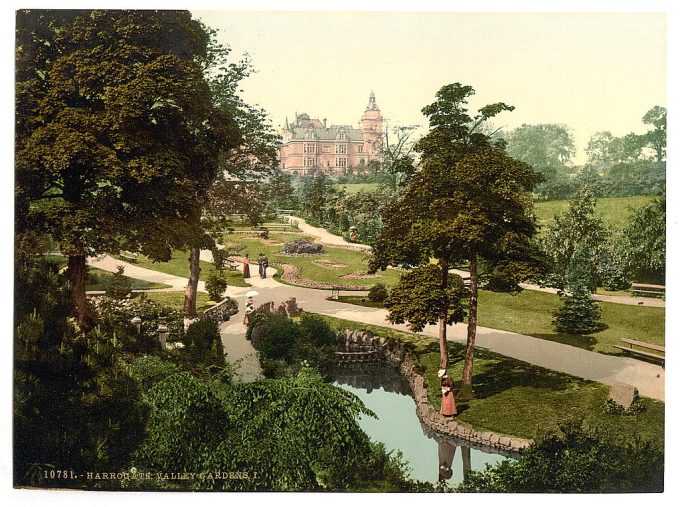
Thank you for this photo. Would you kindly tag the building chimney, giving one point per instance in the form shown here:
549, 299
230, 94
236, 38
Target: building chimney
324, 123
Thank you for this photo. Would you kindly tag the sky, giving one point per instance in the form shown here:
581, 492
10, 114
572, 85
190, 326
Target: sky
590, 71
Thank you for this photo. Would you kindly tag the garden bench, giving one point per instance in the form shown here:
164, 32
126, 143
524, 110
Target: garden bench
129, 255
648, 290
230, 264
648, 349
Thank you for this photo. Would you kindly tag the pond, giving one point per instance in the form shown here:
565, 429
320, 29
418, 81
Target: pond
429, 455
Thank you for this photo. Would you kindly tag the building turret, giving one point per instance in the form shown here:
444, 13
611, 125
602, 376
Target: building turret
371, 129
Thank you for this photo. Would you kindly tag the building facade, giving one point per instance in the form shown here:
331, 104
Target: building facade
310, 147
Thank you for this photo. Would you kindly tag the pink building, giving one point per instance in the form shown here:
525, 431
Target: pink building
310, 147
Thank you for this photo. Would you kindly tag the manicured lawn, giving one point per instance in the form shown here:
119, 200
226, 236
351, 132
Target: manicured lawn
530, 313
518, 398
175, 300
310, 268
178, 265
613, 210
355, 188
104, 278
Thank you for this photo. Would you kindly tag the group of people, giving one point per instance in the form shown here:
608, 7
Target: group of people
262, 262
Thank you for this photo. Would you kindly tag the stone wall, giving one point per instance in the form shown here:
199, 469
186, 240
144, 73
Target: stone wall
222, 311
395, 354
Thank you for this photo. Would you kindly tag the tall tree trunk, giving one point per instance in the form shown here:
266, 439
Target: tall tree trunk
443, 314
192, 286
77, 276
466, 391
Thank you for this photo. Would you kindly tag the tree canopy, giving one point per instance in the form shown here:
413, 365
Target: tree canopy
116, 133
469, 201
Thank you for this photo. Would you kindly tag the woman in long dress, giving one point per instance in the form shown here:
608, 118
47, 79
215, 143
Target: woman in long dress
246, 267
448, 401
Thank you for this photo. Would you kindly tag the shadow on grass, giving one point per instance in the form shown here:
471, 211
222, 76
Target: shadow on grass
495, 374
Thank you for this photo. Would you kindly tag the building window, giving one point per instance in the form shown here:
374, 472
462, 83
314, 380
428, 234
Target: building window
341, 162
309, 148
310, 134
341, 136
360, 148
341, 148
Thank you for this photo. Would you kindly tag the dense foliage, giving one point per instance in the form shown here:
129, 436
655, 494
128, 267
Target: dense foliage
216, 284
116, 135
575, 460
378, 293
284, 343
419, 297
281, 435
468, 202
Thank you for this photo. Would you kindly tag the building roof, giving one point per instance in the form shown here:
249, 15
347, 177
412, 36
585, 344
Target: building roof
327, 134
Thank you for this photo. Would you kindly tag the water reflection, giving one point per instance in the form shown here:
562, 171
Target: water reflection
432, 456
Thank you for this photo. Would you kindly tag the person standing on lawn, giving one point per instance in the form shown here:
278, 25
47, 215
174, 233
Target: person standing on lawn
448, 401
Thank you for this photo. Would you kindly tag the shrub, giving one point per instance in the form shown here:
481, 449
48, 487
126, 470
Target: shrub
316, 344
579, 314
276, 337
303, 246
204, 342
115, 317
575, 459
119, 285
378, 293
148, 370
220, 257
216, 285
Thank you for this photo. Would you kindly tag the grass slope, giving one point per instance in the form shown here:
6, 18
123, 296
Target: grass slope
175, 300
613, 210
354, 261
178, 265
530, 313
517, 398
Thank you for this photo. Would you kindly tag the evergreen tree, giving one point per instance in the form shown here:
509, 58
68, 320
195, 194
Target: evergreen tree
119, 286
579, 314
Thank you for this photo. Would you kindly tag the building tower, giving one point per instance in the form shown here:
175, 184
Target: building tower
371, 130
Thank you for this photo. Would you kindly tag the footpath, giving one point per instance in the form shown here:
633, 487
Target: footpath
648, 378
327, 238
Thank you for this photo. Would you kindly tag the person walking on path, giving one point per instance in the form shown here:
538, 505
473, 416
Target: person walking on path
246, 267
250, 308
448, 401
263, 263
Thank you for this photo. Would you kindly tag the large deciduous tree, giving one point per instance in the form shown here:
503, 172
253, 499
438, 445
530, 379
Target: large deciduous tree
576, 228
116, 134
645, 241
240, 168
545, 147
469, 201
